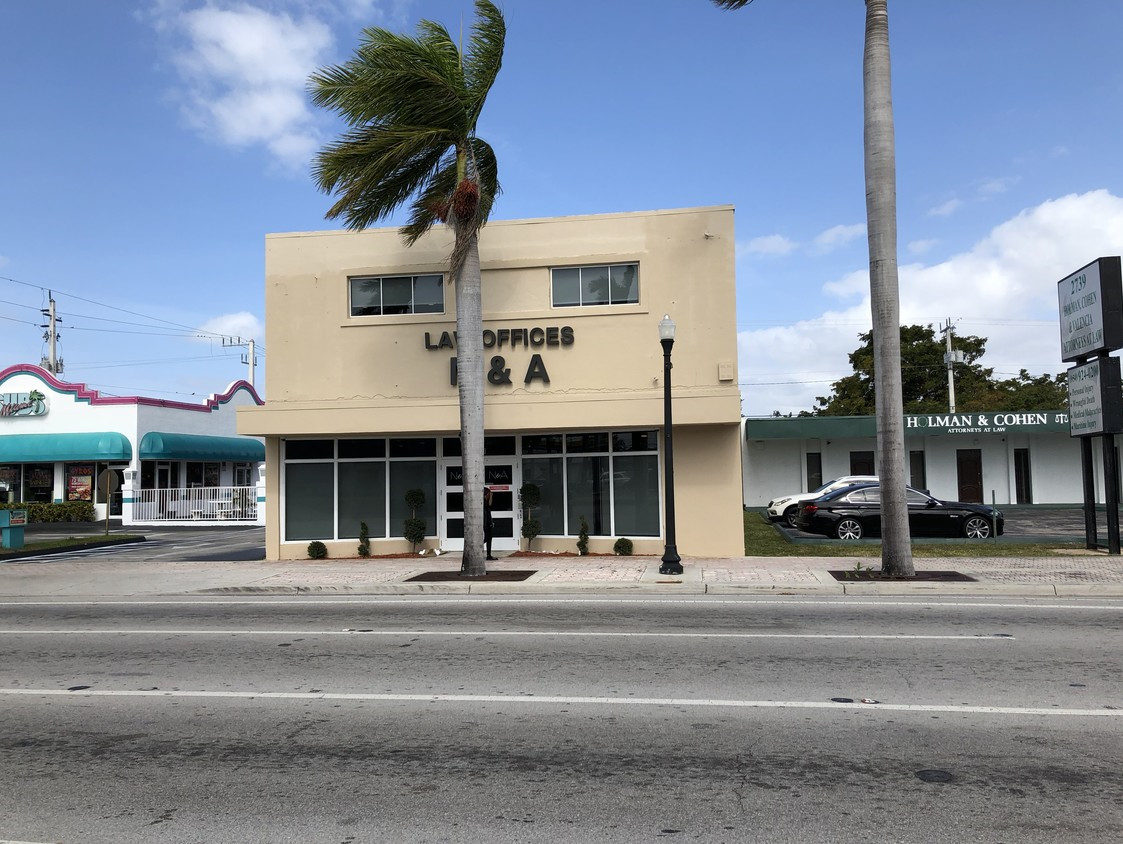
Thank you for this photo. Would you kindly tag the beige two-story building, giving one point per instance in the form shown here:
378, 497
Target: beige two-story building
362, 400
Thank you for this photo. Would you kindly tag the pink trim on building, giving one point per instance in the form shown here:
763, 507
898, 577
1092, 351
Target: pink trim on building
84, 393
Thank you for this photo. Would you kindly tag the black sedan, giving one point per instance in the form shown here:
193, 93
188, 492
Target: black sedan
854, 512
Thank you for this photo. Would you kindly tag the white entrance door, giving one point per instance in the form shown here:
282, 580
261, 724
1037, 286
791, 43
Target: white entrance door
499, 475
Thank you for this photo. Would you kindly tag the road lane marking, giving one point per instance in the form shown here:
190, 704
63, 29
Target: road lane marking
411, 601
580, 700
551, 633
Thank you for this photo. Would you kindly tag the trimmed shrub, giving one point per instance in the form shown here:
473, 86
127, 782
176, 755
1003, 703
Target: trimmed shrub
414, 529
529, 496
622, 547
364, 540
317, 550
65, 511
583, 538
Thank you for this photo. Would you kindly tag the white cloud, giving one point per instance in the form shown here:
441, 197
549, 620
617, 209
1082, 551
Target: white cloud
919, 247
242, 324
993, 187
946, 209
244, 70
1003, 288
772, 244
837, 236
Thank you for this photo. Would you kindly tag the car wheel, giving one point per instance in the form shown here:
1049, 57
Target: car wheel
976, 527
790, 514
848, 529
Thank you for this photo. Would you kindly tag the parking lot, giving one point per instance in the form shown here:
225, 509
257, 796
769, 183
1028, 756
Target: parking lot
1023, 524
171, 543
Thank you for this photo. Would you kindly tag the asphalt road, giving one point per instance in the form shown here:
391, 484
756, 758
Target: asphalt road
510, 720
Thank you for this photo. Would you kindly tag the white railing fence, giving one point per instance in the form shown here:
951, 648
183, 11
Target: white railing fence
202, 503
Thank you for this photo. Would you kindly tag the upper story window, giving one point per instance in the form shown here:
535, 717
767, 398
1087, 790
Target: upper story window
403, 294
615, 284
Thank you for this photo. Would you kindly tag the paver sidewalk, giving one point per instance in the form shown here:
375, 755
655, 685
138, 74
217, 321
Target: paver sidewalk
1093, 575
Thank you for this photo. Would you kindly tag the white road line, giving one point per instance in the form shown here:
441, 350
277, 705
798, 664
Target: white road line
990, 637
567, 700
411, 601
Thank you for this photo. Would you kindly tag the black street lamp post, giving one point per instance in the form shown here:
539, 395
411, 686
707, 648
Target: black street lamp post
672, 563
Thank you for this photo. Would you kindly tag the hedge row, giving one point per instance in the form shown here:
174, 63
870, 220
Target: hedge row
67, 511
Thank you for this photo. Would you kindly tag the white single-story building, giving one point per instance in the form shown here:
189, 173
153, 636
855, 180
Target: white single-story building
163, 460
1004, 457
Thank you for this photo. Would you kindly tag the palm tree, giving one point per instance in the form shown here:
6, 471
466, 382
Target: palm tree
411, 105
881, 230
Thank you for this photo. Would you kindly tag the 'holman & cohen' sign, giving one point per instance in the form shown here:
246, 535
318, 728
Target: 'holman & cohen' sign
986, 423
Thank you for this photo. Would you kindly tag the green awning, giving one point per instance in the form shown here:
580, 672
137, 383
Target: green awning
158, 446
49, 448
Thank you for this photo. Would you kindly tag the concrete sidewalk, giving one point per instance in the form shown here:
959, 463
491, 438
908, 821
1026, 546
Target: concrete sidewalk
1086, 575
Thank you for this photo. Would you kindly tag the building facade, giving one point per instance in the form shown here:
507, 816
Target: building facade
1014, 457
169, 460
363, 400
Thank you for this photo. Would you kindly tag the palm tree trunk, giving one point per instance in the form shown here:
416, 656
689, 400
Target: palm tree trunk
881, 225
470, 381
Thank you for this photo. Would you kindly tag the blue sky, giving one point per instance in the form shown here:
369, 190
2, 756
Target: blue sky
148, 147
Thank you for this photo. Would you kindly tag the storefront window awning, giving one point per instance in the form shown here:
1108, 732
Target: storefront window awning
49, 448
159, 446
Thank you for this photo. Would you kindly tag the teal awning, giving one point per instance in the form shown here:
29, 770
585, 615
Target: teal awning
159, 446
49, 448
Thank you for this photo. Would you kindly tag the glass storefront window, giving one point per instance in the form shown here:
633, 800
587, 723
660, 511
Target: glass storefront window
404, 476
635, 488
362, 498
80, 482
546, 474
587, 481
309, 501
38, 482
202, 474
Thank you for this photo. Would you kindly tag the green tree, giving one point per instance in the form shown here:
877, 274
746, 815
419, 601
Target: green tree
881, 232
925, 384
411, 105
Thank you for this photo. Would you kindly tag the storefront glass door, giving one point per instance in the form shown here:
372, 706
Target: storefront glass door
499, 475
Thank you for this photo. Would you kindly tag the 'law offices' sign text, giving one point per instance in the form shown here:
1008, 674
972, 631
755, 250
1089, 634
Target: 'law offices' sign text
508, 340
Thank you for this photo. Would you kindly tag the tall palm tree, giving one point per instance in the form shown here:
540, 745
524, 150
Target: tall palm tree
411, 105
881, 230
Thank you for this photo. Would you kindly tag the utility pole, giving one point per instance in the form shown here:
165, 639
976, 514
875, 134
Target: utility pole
249, 359
52, 363
951, 356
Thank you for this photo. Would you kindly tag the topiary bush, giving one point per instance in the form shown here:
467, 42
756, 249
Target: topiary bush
622, 547
583, 538
364, 540
317, 550
529, 496
414, 529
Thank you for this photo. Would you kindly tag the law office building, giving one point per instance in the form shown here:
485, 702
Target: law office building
363, 403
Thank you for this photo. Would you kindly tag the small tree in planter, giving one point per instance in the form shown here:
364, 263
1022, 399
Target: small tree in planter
364, 540
530, 495
415, 528
583, 538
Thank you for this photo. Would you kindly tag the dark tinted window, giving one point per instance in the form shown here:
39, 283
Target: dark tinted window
499, 445
635, 441
413, 447
584, 443
542, 444
309, 449
362, 448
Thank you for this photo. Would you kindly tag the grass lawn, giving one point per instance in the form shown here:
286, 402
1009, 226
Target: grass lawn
763, 539
70, 543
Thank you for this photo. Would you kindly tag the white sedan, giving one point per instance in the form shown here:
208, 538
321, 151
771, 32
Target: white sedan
786, 507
